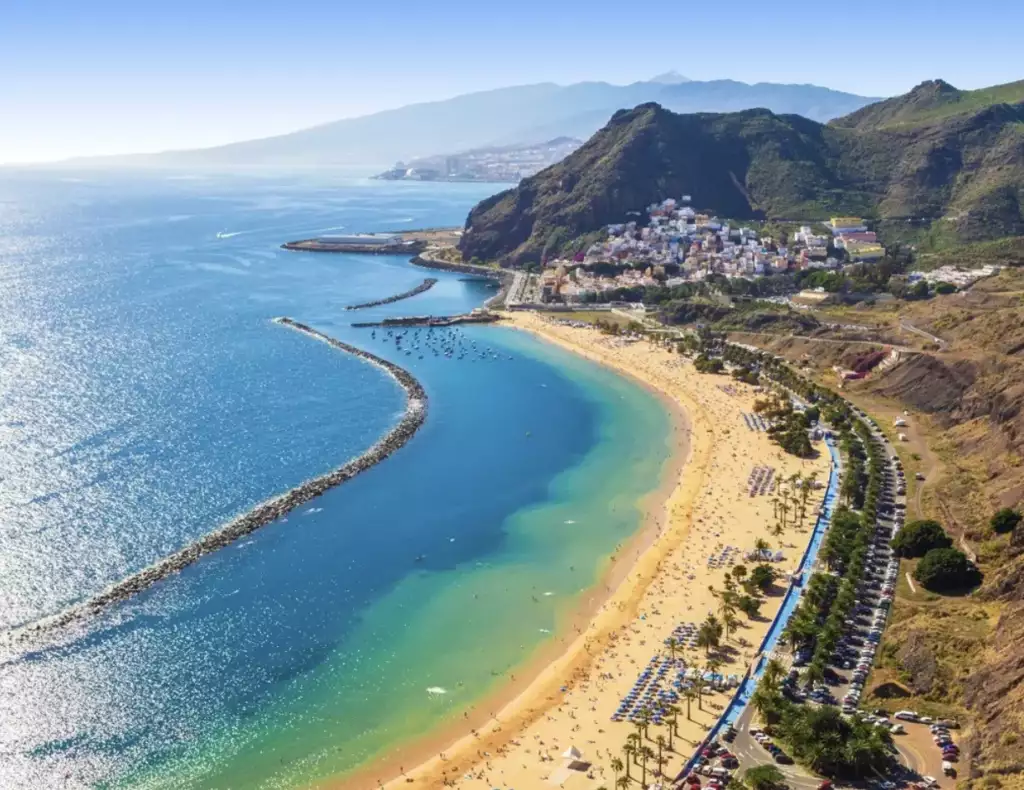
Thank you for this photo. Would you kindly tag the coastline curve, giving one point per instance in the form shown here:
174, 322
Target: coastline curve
262, 514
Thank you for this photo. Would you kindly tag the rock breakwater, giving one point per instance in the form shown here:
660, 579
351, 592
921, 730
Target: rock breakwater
481, 317
264, 513
426, 285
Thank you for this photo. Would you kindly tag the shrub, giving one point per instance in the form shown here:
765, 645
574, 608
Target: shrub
1005, 520
705, 364
763, 577
917, 538
945, 570
764, 777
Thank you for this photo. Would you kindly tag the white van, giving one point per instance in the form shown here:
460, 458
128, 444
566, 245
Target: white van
906, 715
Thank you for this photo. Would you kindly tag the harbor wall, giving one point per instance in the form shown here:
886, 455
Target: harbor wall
426, 285
265, 512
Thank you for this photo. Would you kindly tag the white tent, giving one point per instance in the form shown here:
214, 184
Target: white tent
572, 753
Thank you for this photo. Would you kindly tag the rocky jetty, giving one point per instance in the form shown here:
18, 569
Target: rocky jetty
476, 317
403, 247
262, 514
429, 261
426, 285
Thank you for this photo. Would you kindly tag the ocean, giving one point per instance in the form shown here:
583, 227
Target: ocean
146, 397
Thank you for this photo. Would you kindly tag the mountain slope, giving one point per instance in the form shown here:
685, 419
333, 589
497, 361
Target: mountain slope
516, 115
930, 102
965, 171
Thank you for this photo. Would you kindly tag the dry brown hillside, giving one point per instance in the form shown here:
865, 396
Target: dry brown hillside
963, 391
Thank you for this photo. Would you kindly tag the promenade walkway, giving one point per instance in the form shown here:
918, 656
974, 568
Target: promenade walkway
746, 689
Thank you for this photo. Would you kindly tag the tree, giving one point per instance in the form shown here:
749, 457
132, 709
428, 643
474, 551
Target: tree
1005, 520
946, 570
673, 723
917, 538
763, 777
673, 646
617, 769
749, 605
660, 740
689, 693
763, 577
730, 621
709, 635
629, 750
699, 685
739, 573
646, 753
773, 673
622, 782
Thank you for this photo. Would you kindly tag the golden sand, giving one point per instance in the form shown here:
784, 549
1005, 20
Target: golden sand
568, 701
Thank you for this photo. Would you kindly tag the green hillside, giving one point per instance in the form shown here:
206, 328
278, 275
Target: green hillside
963, 172
930, 102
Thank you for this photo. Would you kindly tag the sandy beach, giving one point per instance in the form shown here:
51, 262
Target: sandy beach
565, 697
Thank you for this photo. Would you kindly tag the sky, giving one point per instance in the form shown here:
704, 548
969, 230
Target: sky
96, 77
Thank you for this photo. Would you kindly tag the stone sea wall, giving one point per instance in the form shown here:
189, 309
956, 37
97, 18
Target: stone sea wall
433, 320
429, 262
264, 513
426, 285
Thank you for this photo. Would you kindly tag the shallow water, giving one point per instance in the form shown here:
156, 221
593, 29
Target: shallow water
145, 396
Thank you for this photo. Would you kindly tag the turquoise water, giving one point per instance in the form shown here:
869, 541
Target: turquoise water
145, 396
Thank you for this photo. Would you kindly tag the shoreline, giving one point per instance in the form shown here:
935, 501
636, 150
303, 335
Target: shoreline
565, 694
260, 515
533, 688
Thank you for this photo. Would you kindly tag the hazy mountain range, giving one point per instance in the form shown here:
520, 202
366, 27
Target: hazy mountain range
506, 116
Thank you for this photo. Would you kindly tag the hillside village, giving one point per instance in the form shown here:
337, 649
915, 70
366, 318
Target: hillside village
677, 244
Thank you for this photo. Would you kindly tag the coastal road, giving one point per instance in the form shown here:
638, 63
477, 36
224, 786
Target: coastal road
750, 754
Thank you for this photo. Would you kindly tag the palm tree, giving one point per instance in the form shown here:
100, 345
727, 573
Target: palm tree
699, 684
661, 748
617, 768
646, 753
673, 724
622, 782
645, 721
773, 673
731, 621
673, 646
629, 750
689, 693
815, 673
761, 546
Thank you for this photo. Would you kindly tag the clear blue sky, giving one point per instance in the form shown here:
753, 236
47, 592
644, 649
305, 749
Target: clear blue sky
82, 77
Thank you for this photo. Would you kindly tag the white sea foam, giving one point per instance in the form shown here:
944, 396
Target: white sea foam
437, 690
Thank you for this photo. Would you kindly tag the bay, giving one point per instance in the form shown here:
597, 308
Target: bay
146, 396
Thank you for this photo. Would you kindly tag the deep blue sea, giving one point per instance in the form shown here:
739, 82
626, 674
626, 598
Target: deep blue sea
146, 397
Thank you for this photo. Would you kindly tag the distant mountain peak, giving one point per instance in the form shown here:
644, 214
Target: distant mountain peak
670, 78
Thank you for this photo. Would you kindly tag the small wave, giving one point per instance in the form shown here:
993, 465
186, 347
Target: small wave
548, 594
544, 630
314, 510
223, 235
435, 690
569, 521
